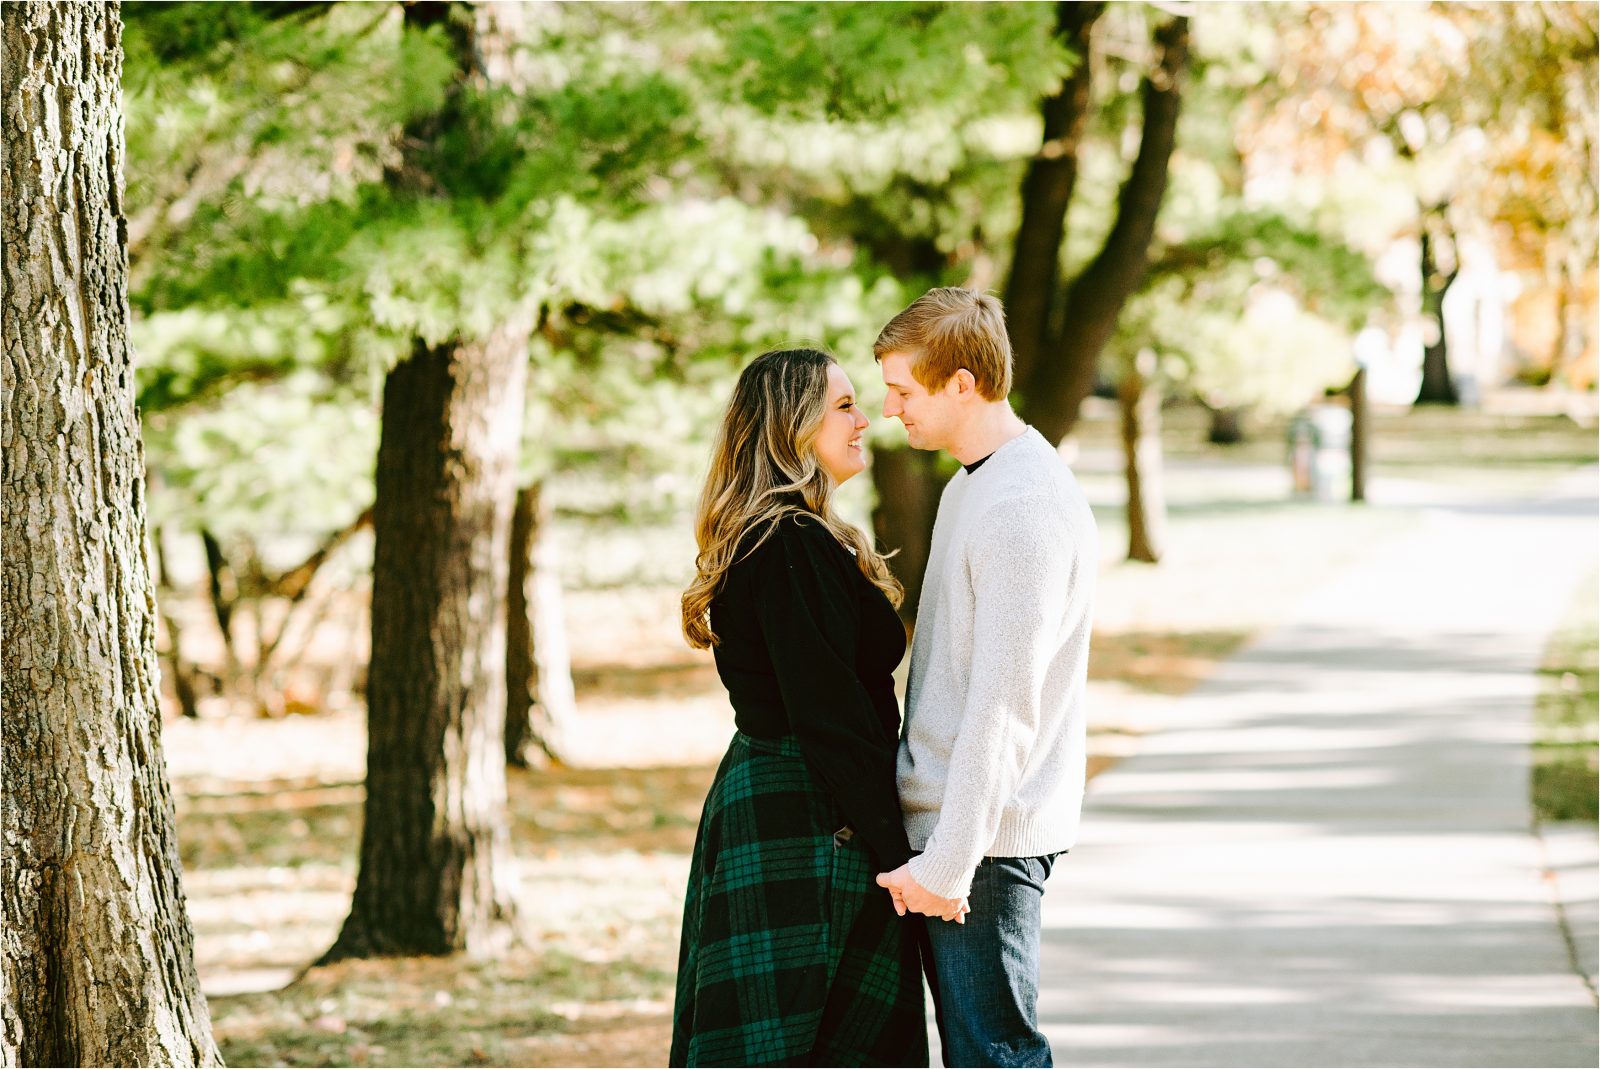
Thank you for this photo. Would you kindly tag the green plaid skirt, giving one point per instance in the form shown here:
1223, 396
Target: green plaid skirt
791, 953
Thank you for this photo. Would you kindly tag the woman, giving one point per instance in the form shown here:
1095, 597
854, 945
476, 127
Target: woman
791, 954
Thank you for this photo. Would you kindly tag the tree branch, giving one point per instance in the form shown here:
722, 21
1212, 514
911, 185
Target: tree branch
1046, 191
293, 584
1096, 297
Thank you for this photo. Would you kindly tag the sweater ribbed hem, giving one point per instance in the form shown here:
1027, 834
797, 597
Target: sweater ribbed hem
1019, 836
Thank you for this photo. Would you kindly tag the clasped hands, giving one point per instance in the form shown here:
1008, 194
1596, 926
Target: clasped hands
908, 894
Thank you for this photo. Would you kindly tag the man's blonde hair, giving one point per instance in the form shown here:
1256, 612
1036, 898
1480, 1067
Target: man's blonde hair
947, 329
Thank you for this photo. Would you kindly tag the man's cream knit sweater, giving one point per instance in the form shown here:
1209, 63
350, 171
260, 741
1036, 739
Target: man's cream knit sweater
992, 755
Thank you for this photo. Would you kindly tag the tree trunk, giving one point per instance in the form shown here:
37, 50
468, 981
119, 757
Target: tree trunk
1566, 322
1032, 310
540, 702
183, 676
434, 875
1437, 386
1064, 374
1575, 329
293, 586
1140, 400
1227, 426
97, 965
908, 482
223, 586
1360, 431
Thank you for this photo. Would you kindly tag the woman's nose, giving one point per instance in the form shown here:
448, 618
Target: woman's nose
861, 419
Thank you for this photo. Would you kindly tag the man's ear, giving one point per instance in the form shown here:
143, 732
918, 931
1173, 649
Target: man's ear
965, 382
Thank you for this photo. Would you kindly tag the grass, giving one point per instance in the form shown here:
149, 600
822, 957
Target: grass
1566, 775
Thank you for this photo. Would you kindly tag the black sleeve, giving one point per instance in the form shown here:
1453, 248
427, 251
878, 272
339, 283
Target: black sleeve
811, 619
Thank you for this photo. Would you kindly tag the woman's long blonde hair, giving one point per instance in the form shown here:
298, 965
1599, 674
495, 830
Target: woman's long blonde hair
764, 466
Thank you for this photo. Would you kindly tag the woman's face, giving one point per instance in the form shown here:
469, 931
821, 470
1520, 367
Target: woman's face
839, 445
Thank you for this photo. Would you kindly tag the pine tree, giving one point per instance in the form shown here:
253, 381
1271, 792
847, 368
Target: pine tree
97, 966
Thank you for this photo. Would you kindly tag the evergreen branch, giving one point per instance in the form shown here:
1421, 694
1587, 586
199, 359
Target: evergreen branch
218, 163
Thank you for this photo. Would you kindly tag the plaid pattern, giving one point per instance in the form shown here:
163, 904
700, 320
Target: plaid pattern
791, 954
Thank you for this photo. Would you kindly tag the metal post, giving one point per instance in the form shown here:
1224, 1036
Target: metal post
1359, 425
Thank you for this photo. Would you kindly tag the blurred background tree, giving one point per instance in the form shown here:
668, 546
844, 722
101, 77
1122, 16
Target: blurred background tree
1484, 113
714, 179
663, 191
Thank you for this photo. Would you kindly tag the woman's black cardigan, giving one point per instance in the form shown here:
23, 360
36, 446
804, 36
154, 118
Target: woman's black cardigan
808, 647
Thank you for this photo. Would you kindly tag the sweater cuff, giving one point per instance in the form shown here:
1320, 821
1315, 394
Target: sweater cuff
943, 878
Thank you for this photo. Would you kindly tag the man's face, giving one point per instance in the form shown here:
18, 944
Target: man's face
927, 416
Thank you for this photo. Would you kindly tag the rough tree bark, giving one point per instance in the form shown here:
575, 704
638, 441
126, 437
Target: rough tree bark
434, 868
540, 702
97, 963
435, 874
1064, 374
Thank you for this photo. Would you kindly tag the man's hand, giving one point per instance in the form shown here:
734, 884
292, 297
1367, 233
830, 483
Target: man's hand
908, 894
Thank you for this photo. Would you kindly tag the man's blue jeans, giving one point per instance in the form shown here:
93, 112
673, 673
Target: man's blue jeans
984, 974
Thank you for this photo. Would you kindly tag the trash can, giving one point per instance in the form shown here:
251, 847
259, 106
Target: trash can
1319, 452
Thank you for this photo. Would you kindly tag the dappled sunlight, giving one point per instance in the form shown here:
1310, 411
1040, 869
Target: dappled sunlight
535, 1006
1202, 981
601, 855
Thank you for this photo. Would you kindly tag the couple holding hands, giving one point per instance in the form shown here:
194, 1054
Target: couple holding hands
841, 854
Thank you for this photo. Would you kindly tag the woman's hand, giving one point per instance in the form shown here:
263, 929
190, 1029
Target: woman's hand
907, 894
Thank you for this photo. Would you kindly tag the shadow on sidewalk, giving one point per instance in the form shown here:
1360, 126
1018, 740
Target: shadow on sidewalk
1251, 984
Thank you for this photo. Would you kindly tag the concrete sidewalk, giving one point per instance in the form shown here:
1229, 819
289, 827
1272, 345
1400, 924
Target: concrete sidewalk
1328, 859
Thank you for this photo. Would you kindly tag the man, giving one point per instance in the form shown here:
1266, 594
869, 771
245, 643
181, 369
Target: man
992, 756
